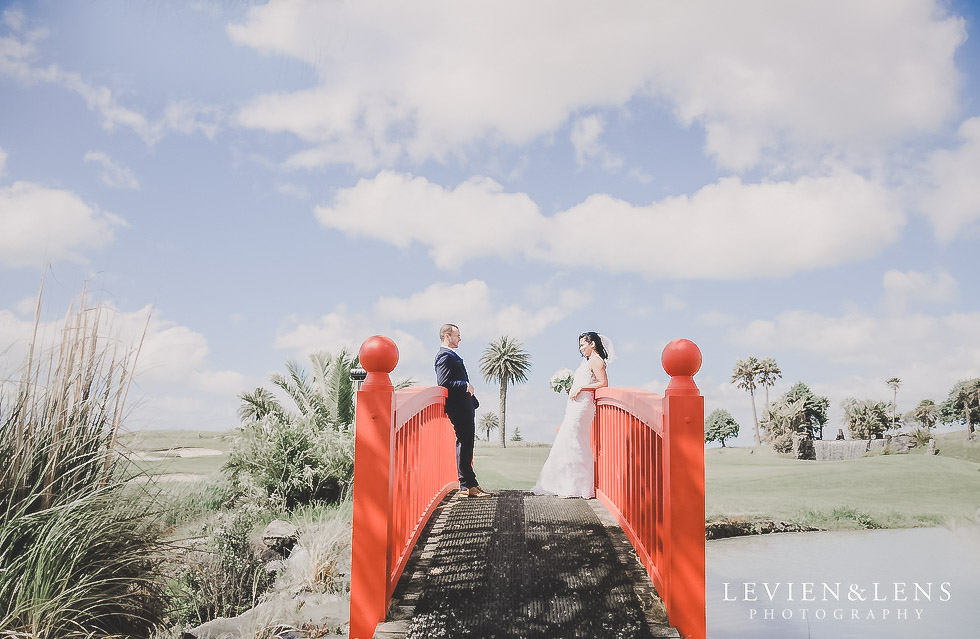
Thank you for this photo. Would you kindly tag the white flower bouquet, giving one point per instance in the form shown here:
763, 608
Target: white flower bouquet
561, 381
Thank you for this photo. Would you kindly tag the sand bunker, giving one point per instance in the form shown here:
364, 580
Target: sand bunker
179, 477
168, 478
171, 453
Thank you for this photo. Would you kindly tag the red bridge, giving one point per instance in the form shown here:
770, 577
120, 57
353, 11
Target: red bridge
649, 456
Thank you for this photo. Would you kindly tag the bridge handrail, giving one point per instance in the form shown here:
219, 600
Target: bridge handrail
646, 406
649, 452
424, 468
404, 466
414, 399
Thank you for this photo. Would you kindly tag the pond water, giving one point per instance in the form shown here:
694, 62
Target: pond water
916, 583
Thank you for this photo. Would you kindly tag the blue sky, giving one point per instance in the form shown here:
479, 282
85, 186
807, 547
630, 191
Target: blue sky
795, 180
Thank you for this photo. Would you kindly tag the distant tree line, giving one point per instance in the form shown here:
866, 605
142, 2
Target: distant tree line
799, 411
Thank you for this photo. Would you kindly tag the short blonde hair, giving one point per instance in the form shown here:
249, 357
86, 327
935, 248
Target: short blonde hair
446, 330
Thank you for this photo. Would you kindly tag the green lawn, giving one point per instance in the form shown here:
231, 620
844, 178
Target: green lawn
887, 491
746, 483
955, 444
167, 439
513, 468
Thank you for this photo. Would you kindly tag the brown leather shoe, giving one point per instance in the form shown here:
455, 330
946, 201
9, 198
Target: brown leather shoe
476, 491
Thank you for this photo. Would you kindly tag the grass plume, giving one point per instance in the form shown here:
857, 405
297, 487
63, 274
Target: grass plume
79, 555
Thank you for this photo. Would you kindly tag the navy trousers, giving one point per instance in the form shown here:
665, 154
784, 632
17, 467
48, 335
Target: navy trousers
465, 427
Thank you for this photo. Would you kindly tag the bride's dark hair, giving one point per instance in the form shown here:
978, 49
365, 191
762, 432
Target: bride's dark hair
593, 338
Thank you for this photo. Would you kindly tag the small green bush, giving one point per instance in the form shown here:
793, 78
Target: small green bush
292, 463
223, 577
921, 436
783, 443
863, 519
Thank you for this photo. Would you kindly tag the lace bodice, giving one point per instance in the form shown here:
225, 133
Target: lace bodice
583, 375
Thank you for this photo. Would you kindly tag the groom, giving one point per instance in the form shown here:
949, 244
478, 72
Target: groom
461, 407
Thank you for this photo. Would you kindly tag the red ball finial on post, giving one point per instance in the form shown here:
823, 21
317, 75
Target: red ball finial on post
681, 360
378, 356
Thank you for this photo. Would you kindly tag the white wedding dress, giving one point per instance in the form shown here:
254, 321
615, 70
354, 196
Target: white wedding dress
569, 470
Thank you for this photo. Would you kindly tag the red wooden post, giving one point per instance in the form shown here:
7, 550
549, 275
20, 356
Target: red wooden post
684, 454
372, 487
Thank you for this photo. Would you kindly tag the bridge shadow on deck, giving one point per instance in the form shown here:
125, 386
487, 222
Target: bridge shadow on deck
519, 565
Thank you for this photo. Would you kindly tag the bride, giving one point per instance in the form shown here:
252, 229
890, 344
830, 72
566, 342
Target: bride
569, 469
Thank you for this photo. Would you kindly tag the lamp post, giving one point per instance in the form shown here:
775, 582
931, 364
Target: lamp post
357, 375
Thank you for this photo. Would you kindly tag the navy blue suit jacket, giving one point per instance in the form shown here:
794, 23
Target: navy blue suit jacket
451, 373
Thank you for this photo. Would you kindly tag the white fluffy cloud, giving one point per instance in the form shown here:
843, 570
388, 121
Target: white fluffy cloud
174, 385
478, 310
429, 79
40, 225
346, 329
473, 305
726, 230
585, 139
111, 172
476, 219
952, 198
912, 288
3, 161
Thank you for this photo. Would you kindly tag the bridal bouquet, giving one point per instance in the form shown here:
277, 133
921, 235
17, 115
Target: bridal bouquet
561, 381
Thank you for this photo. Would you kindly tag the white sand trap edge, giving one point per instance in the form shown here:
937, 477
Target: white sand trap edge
170, 453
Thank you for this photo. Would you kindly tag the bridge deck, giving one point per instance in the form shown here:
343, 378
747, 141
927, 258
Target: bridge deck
519, 565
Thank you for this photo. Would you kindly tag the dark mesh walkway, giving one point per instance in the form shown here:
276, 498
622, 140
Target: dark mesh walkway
524, 566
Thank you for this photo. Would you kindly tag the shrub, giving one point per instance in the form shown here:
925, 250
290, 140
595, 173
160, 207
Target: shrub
292, 463
921, 436
719, 426
866, 418
783, 443
223, 577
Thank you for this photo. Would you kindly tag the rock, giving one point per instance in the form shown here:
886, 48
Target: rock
733, 528
276, 565
280, 536
299, 560
320, 610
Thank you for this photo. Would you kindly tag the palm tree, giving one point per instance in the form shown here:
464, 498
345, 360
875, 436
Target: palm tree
864, 418
963, 404
326, 395
744, 376
504, 362
259, 404
926, 413
813, 411
785, 417
488, 422
894, 383
769, 372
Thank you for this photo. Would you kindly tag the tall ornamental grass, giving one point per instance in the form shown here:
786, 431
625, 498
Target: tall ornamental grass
79, 556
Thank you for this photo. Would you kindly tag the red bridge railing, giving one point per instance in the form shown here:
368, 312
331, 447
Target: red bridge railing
405, 463
649, 452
